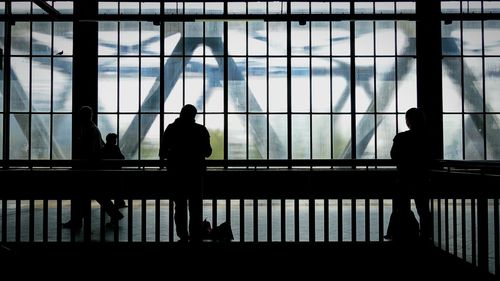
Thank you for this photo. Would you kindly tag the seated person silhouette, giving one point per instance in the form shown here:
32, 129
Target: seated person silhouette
111, 151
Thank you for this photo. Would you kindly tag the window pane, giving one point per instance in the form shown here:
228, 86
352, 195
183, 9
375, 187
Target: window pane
451, 38
19, 85
474, 139
341, 84
107, 85
277, 85
174, 84
40, 136
129, 85
321, 85
237, 85
215, 126
386, 130
150, 136
385, 42
321, 136
320, 38
214, 84
40, 84
341, 38
257, 140
301, 131
108, 38
128, 133
257, 84
407, 83
237, 137
63, 84
341, 136
150, 38
18, 136
108, 123
492, 83
42, 38
472, 38
406, 38
277, 38
173, 35
473, 84
237, 38
214, 38
492, 136
129, 38
63, 38
452, 96
365, 144
20, 34
364, 38
386, 85
300, 38
194, 83
61, 136
278, 136
257, 38
300, 85
491, 44
150, 84
364, 85
452, 137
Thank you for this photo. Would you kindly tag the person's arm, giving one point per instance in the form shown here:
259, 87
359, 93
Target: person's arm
395, 149
208, 148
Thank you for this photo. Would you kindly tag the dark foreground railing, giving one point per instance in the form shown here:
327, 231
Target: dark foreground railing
341, 201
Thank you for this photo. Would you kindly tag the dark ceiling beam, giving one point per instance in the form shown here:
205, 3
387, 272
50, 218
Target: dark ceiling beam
47, 8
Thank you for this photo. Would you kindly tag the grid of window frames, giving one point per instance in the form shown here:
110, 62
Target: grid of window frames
40, 84
471, 63
315, 119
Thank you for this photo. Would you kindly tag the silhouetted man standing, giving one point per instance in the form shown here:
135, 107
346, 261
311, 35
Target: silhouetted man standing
412, 153
186, 144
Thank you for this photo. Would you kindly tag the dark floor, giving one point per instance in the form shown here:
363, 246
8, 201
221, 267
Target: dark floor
233, 261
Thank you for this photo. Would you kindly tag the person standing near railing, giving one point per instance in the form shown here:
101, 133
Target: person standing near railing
185, 144
89, 146
111, 151
411, 151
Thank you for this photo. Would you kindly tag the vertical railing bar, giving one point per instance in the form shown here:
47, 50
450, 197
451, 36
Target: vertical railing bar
464, 231
312, 220
4, 220
102, 225
228, 210
255, 220
143, 219
473, 228
45, 220
214, 213
353, 220
482, 233
171, 221
367, 220
87, 221
157, 220
283, 220
455, 236
496, 224
130, 220
242, 220
296, 219
446, 226
18, 220
326, 220
439, 222
31, 220
59, 220
340, 219
269, 229
381, 229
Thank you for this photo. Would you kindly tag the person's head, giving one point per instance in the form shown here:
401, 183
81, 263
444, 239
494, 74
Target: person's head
86, 113
111, 138
415, 118
188, 112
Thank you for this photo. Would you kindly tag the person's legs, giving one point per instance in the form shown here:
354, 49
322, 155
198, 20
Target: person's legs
424, 214
111, 210
180, 218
